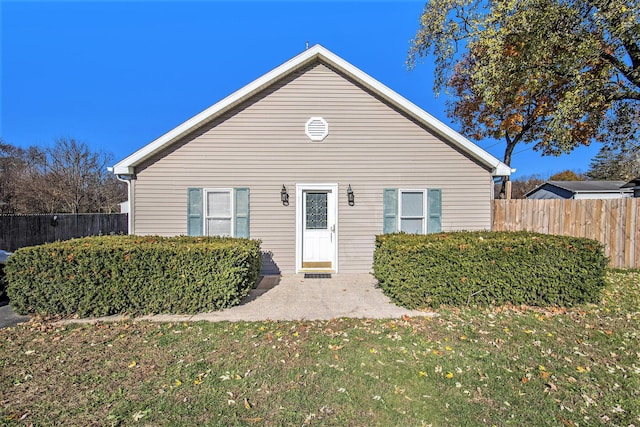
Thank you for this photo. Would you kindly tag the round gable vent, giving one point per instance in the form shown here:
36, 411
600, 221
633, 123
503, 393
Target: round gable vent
316, 128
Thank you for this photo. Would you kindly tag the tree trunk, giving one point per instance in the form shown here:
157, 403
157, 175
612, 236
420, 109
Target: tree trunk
508, 152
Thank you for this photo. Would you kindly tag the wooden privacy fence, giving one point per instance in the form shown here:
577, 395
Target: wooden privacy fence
17, 231
614, 222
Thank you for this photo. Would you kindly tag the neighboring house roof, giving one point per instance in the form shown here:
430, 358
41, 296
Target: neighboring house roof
321, 54
635, 182
567, 189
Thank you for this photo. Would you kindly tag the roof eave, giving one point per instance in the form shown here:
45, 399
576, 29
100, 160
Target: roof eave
502, 169
120, 169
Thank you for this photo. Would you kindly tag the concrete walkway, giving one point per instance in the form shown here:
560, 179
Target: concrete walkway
8, 317
292, 297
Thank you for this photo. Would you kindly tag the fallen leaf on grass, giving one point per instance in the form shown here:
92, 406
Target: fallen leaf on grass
141, 414
551, 386
617, 409
566, 421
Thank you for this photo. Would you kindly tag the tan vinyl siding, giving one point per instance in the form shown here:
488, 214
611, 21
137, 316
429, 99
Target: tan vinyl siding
262, 145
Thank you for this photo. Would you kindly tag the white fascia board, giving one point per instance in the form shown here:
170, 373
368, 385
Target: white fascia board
127, 166
118, 169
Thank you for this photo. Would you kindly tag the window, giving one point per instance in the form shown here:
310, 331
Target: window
218, 212
412, 211
316, 214
218, 208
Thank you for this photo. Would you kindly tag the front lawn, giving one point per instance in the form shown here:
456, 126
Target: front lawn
501, 366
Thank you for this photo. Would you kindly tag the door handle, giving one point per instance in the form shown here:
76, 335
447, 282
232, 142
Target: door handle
333, 230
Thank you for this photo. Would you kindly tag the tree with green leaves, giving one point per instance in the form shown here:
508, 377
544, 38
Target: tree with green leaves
552, 73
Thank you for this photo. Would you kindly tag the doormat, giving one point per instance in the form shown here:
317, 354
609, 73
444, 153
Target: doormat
317, 275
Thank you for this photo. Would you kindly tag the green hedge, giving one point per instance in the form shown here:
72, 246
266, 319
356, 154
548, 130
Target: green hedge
483, 268
3, 283
97, 276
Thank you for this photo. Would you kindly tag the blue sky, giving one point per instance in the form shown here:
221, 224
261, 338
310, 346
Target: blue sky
118, 74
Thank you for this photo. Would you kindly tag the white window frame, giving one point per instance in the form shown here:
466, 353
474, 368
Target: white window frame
424, 208
205, 218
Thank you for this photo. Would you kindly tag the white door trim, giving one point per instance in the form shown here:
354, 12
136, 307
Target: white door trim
300, 188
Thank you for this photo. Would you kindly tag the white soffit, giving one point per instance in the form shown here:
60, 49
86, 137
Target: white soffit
127, 165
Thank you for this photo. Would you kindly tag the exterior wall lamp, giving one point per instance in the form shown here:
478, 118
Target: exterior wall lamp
350, 197
284, 196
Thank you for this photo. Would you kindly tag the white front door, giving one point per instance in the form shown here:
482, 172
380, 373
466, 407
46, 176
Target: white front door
318, 227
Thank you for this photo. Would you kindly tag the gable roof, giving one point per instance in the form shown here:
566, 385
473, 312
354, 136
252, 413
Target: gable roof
576, 187
589, 186
321, 54
635, 182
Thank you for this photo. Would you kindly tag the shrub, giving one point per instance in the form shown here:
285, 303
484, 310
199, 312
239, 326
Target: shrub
3, 283
481, 268
105, 275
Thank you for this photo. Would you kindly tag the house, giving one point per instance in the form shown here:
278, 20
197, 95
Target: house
314, 158
580, 190
634, 185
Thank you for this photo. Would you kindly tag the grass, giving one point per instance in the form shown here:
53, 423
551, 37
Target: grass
498, 366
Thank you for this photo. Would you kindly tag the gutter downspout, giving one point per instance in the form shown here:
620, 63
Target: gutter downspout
127, 179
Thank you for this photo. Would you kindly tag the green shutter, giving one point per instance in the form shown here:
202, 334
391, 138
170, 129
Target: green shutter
194, 211
241, 214
390, 201
434, 210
